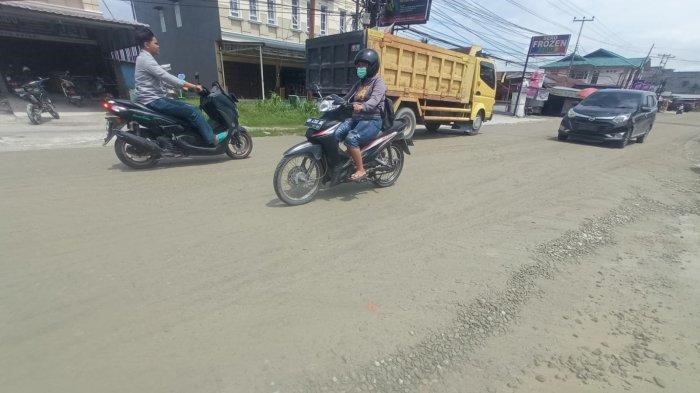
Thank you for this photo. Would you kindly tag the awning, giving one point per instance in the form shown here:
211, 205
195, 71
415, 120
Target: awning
50, 22
249, 46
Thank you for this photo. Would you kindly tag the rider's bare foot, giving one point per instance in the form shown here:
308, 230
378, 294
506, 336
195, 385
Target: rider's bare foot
359, 175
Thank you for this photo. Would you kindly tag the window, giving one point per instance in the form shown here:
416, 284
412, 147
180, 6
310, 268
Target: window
343, 16
487, 73
354, 22
178, 17
236, 8
324, 20
579, 74
594, 79
162, 19
254, 10
651, 101
308, 15
271, 17
295, 14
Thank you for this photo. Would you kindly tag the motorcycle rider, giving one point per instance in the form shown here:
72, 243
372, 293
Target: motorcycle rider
150, 90
367, 97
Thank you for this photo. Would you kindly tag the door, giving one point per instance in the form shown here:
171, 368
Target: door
485, 89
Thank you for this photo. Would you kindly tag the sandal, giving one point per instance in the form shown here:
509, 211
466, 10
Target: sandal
356, 177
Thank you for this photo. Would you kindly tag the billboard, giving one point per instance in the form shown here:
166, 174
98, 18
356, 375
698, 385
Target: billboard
405, 12
549, 45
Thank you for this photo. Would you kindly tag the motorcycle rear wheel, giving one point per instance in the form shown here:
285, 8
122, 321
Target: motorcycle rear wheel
240, 145
130, 157
297, 179
391, 156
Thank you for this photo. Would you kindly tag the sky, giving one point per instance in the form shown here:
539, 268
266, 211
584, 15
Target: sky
626, 27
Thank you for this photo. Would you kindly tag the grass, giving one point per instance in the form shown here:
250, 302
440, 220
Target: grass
273, 116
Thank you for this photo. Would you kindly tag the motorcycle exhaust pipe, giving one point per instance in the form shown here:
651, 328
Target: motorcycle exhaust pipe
138, 141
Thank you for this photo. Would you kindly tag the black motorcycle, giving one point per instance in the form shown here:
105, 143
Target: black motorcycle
307, 166
150, 135
39, 101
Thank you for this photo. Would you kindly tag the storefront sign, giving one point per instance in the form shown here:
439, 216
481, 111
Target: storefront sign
549, 45
405, 12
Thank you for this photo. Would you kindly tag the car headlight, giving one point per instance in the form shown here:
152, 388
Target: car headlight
571, 113
621, 119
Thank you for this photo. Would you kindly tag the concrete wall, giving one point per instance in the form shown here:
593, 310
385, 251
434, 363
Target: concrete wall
190, 48
282, 29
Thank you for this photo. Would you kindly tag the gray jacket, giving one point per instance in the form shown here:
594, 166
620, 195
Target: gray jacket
150, 78
371, 94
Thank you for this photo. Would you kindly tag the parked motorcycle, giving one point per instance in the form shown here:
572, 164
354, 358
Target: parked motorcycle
70, 91
151, 135
39, 101
307, 166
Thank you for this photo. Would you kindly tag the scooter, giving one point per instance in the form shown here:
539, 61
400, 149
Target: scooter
39, 101
307, 166
150, 135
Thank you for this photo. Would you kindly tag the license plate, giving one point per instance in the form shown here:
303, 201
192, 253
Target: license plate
316, 124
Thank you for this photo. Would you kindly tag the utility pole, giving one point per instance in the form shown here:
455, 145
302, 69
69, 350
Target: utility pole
312, 19
635, 74
665, 57
582, 21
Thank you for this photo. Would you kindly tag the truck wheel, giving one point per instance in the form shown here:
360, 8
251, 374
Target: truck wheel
406, 114
432, 127
476, 124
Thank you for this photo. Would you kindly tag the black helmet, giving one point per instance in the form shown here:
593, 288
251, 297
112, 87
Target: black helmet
372, 58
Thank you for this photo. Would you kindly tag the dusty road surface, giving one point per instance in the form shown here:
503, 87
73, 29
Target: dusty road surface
502, 262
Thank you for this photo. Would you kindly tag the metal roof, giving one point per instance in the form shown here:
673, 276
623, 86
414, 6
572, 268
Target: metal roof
598, 58
70, 12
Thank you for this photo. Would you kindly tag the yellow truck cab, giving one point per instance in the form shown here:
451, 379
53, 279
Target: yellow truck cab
429, 85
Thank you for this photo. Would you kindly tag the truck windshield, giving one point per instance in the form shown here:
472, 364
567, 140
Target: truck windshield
613, 99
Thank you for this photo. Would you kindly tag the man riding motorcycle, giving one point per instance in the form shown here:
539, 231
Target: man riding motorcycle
151, 92
367, 97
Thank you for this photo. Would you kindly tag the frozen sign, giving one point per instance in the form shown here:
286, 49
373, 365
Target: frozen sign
549, 45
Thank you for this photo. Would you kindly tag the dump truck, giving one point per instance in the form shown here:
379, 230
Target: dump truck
429, 85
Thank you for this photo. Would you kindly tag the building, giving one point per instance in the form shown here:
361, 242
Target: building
600, 68
53, 36
250, 46
682, 82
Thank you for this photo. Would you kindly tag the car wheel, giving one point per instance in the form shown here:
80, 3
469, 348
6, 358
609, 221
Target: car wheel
641, 138
562, 137
626, 140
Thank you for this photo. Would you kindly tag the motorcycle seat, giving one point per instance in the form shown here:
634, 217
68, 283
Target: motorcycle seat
136, 105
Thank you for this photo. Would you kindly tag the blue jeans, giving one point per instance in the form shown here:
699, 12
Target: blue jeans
185, 112
356, 133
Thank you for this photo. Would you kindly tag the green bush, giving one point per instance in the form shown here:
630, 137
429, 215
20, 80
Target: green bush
273, 112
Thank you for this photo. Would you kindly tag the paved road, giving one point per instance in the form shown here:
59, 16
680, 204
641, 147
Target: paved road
498, 262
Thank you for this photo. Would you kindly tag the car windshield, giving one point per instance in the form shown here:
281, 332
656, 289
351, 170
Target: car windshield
613, 99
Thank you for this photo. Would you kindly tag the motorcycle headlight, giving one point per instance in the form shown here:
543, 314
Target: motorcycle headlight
326, 106
621, 119
571, 113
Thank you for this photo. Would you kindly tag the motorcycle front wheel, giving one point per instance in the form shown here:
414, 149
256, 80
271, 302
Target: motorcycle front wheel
132, 156
240, 145
34, 114
297, 179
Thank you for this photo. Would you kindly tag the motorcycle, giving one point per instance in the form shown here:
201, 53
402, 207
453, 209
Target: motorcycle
39, 101
307, 166
150, 135
70, 92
